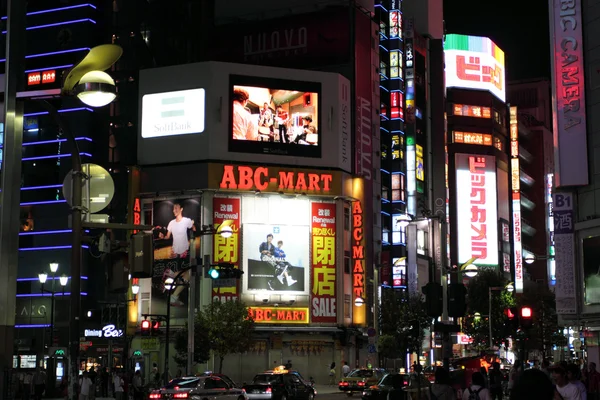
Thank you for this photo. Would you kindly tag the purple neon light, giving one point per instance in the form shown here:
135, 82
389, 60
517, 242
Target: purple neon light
53, 156
37, 279
60, 111
47, 294
55, 141
50, 248
37, 203
58, 9
56, 232
33, 326
41, 187
49, 68
53, 53
75, 21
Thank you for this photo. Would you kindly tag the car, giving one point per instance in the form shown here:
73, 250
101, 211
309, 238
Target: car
381, 389
211, 387
280, 384
359, 379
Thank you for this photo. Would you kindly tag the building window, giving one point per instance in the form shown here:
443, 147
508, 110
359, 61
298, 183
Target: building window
347, 305
398, 187
347, 262
346, 218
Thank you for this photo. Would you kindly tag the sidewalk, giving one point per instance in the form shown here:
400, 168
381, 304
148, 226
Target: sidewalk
327, 389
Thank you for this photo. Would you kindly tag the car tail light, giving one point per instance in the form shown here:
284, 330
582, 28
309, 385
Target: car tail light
405, 383
154, 396
180, 396
269, 390
361, 384
344, 384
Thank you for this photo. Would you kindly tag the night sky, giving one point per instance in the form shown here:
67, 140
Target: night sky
519, 27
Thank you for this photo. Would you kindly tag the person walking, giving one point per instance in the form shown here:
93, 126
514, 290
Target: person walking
495, 381
477, 389
85, 387
593, 382
138, 390
39, 383
118, 384
332, 373
345, 369
441, 389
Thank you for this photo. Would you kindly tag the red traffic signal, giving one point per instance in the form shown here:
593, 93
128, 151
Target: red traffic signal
145, 327
510, 313
526, 312
155, 326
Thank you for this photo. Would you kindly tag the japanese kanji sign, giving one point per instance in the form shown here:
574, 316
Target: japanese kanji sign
323, 257
227, 250
565, 253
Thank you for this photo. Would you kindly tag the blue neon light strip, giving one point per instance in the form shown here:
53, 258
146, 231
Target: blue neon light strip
37, 203
47, 294
75, 21
32, 325
382, 7
50, 248
49, 68
54, 141
56, 278
53, 53
42, 187
58, 9
57, 232
53, 156
60, 111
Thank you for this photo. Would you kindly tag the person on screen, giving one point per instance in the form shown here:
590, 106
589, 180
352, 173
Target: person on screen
283, 118
307, 129
283, 267
178, 229
266, 120
243, 126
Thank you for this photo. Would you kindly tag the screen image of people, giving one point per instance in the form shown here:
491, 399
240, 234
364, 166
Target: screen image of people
174, 224
275, 257
275, 115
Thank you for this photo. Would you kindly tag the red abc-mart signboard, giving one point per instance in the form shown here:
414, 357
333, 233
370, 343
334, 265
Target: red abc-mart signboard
298, 41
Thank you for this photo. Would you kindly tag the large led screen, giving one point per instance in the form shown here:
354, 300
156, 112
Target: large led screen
275, 117
476, 212
276, 258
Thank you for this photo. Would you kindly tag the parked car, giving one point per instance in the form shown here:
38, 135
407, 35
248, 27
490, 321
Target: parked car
381, 389
199, 388
359, 379
279, 384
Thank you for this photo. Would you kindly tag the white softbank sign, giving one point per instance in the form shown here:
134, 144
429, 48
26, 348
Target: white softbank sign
109, 331
173, 113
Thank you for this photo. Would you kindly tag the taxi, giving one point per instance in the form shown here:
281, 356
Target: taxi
359, 379
211, 387
280, 384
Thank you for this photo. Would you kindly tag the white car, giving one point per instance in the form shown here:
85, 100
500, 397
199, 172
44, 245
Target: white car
210, 387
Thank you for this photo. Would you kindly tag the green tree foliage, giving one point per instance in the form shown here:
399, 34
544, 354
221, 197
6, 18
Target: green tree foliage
201, 343
477, 326
402, 322
229, 328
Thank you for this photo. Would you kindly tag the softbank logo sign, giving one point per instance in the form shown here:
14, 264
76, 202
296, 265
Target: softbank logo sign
173, 113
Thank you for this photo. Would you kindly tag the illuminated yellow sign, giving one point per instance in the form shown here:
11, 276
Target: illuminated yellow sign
464, 110
482, 139
279, 315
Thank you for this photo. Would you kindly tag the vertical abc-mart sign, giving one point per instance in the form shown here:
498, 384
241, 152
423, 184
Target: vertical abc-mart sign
474, 62
476, 211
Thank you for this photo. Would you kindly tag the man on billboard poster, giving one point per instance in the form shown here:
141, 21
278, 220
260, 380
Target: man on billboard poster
308, 135
266, 121
243, 125
275, 256
283, 120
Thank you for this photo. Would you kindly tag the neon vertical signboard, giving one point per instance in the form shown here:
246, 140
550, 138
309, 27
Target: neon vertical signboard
568, 94
476, 214
516, 199
323, 259
474, 62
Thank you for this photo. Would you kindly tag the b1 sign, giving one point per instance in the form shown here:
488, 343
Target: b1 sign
173, 113
476, 212
474, 62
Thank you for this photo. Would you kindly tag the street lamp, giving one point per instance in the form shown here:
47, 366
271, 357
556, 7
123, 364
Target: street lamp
530, 258
509, 287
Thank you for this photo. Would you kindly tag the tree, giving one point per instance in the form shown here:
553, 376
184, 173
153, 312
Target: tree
402, 321
201, 343
229, 328
476, 322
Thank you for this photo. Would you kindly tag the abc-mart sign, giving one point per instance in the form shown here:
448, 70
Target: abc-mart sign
109, 331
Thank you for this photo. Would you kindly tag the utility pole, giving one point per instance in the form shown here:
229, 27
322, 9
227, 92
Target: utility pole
11, 186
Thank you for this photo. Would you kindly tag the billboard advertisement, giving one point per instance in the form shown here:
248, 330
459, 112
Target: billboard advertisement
323, 257
515, 174
173, 113
275, 117
175, 222
476, 213
564, 240
227, 250
276, 258
568, 93
474, 62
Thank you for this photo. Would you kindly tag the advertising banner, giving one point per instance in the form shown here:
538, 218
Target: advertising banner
323, 258
227, 250
568, 93
363, 90
276, 258
474, 62
515, 174
564, 240
175, 222
476, 213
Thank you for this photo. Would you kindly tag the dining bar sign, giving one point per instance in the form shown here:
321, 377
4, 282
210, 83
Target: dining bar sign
108, 331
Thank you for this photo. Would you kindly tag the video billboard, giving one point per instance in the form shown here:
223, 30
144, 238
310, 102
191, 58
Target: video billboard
175, 222
275, 117
476, 213
276, 258
474, 62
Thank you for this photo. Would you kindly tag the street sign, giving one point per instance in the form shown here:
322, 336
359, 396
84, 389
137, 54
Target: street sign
371, 332
57, 351
372, 349
150, 344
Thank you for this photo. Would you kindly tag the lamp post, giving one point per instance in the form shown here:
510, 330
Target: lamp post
509, 287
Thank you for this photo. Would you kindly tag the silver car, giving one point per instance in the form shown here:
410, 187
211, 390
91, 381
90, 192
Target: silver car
211, 387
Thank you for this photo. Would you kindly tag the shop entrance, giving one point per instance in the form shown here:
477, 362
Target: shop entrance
311, 358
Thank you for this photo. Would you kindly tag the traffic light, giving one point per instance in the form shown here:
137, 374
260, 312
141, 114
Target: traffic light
145, 327
457, 302
526, 317
224, 271
155, 326
434, 299
512, 318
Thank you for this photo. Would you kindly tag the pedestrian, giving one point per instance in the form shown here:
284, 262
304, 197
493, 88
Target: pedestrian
288, 365
179, 373
514, 374
441, 389
118, 384
39, 383
533, 384
85, 386
593, 382
495, 381
574, 376
345, 369
566, 390
332, 373
138, 390
27, 386
477, 389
